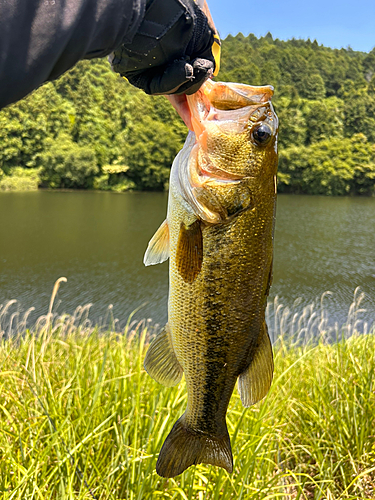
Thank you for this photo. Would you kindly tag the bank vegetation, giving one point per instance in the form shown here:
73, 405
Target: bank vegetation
80, 418
91, 130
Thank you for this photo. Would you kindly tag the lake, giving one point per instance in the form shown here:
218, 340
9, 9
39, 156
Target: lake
97, 240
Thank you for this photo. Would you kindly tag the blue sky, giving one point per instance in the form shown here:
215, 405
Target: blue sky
334, 23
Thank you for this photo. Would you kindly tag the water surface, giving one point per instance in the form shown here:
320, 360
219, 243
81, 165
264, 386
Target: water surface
97, 240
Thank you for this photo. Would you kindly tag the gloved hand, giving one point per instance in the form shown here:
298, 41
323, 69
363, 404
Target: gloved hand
174, 51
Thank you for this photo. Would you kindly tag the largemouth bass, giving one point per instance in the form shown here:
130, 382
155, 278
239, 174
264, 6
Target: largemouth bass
218, 235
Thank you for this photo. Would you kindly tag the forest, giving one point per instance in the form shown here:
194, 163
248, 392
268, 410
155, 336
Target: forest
91, 130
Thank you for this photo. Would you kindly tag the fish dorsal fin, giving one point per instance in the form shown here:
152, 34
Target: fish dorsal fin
158, 247
255, 381
161, 362
189, 255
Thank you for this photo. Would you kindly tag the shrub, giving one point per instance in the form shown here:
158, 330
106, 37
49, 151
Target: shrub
20, 179
66, 164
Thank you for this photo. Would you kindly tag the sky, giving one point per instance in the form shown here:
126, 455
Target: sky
334, 23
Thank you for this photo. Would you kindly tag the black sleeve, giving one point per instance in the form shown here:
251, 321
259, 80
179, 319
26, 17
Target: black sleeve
40, 39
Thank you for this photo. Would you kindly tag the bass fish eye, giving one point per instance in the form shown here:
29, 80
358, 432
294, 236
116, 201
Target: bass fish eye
262, 134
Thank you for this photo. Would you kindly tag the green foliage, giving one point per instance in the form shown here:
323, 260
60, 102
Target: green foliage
26, 125
334, 166
67, 164
325, 100
20, 179
369, 64
114, 178
150, 145
325, 119
360, 117
313, 86
292, 124
123, 139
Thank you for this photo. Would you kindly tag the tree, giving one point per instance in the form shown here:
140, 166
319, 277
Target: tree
325, 119
66, 164
151, 142
292, 124
360, 114
24, 126
90, 129
333, 166
312, 86
369, 65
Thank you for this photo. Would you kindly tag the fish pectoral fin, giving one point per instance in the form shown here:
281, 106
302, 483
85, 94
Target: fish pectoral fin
255, 381
189, 255
158, 247
185, 447
161, 362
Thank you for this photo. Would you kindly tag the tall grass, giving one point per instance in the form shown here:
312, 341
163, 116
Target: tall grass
80, 419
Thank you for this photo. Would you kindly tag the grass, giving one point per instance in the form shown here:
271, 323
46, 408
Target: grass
80, 419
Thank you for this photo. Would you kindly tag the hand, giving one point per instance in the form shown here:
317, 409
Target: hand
179, 102
174, 51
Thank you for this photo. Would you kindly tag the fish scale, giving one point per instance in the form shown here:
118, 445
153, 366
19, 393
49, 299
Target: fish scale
219, 234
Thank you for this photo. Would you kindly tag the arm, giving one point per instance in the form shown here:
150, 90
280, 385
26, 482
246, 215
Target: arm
198, 58
41, 39
161, 46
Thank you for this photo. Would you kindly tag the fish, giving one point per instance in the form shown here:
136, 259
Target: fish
218, 236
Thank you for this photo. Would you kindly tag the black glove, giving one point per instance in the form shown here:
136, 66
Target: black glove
173, 51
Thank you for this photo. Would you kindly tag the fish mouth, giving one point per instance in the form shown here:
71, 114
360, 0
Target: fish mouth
221, 108
222, 96
230, 104
233, 96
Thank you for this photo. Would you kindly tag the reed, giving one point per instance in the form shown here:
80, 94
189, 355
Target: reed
80, 419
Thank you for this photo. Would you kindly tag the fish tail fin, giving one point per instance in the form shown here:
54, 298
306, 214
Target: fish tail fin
185, 447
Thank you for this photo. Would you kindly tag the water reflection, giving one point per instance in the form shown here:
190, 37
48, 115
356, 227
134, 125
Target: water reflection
97, 241
325, 244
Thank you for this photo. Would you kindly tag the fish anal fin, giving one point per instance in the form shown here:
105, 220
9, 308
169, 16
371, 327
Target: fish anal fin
158, 247
185, 447
255, 381
189, 255
161, 362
